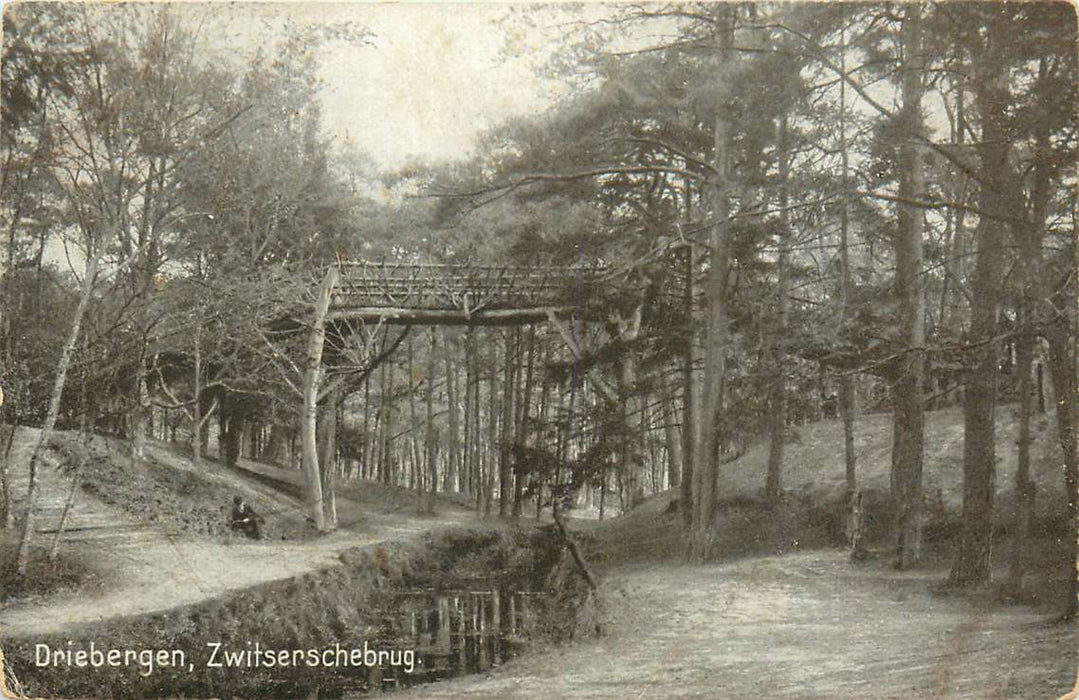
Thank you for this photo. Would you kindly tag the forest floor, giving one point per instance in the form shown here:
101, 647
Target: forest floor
783, 615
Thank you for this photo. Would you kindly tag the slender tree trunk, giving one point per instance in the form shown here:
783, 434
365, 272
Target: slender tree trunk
632, 453
690, 396
196, 404
847, 403
416, 473
505, 476
312, 380
671, 433
386, 426
492, 430
89, 278
777, 353
366, 450
909, 387
431, 440
524, 404
454, 463
469, 463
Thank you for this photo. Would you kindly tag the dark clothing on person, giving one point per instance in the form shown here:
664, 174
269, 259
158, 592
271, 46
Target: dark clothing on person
245, 520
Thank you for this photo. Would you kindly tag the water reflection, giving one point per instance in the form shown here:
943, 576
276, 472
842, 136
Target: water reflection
452, 633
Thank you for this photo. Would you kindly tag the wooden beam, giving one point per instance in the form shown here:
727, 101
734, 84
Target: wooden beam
443, 317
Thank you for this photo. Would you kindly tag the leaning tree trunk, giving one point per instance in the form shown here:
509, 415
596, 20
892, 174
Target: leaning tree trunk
908, 434
22, 560
312, 380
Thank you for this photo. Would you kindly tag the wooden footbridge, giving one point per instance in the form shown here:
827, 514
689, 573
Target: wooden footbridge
457, 294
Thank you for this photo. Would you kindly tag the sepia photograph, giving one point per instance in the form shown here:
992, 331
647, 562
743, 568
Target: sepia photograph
539, 350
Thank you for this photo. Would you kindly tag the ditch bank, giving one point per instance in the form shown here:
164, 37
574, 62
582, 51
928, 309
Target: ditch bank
389, 615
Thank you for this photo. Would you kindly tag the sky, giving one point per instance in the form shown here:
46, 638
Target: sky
435, 77
432, 77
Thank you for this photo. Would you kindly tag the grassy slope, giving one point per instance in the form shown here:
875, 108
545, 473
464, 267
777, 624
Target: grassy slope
814, 462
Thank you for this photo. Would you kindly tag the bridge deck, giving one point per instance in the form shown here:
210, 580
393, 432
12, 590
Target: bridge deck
422, 293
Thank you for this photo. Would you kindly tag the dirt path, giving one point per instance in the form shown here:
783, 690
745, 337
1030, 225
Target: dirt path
808, 625
147, 568
160, 572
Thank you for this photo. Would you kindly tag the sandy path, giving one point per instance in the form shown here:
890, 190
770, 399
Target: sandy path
160, 572
807, 625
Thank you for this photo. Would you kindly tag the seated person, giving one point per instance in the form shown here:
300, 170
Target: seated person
244, 519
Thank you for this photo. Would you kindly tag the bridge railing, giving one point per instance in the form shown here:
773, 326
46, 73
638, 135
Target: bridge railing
436, 285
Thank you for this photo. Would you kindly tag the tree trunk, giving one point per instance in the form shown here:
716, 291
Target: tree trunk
386, 426
1024, 485
430, 456
327, 440
908, 390
713, 420
22, 560
196, 404
632, 457
468, 464
847, 399
972, 565
505, 475
7, 513
312, 380
690, 395
524, 405
1062, 374
671, 433
1028, 241
777, 403
454, 461
492, 429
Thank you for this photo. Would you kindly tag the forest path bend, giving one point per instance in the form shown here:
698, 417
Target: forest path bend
805, 625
